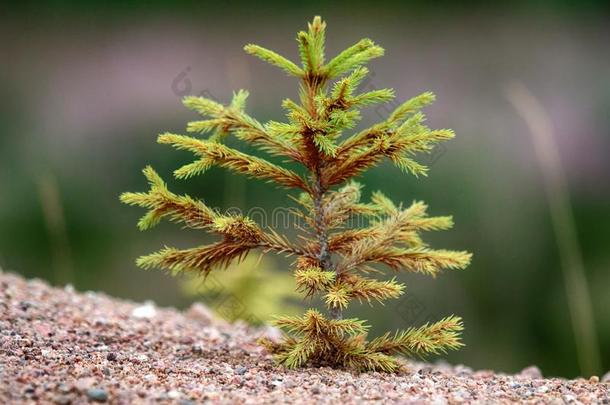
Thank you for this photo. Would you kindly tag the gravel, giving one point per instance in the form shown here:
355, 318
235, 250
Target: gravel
59, 346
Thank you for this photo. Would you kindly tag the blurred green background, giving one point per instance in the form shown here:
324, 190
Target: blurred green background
86, 87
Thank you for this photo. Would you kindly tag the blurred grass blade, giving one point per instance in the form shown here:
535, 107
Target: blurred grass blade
577, 290
50, 200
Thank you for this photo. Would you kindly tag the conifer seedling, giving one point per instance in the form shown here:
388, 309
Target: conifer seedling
333, 259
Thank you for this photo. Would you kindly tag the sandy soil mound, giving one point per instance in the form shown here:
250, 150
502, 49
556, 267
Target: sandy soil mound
60, 346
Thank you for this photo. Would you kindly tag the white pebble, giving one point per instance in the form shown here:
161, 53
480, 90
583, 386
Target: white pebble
142, 358
173, 394
147, 310
150, 377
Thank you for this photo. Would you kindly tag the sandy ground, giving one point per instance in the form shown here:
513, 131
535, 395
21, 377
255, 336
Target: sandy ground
60, 346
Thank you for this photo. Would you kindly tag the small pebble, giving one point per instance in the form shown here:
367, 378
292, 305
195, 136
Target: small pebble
141, 358
532, 372
62, 400
150, 378
146, 311
201, 313
97, 394
173, 394
84, 384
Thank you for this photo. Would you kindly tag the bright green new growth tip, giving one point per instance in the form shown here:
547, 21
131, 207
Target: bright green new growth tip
333, 259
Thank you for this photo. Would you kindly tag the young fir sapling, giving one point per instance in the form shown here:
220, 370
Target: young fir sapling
335, 260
